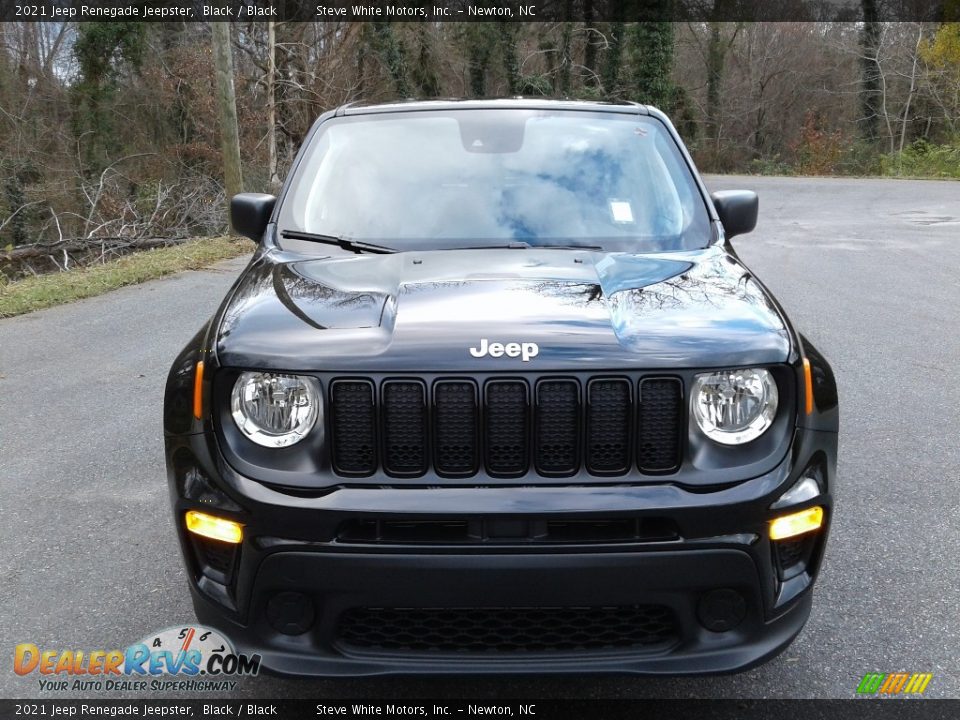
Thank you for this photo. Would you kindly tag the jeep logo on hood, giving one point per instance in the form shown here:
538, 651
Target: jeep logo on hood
526, 350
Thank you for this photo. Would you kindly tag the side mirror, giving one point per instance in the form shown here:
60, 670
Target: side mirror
250, 214
737, 210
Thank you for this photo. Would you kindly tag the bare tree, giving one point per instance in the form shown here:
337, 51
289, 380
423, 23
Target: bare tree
272, 105
913, 87
227, 102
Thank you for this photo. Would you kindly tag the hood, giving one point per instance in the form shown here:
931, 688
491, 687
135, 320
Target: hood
425, 311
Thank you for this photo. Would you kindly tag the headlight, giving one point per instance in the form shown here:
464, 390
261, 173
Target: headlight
735, 406
275, 410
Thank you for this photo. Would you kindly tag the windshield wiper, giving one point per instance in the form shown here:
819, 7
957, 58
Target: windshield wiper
354, 245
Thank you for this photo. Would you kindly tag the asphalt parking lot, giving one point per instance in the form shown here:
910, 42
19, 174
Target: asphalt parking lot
868, 269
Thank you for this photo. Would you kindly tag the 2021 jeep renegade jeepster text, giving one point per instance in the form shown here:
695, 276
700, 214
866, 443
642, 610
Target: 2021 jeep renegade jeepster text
496, 394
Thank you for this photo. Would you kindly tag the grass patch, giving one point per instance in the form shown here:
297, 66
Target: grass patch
43, 291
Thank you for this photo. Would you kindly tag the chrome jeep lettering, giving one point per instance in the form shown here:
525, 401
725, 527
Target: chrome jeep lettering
525, 351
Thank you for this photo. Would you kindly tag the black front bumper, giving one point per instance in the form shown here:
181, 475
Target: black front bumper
297, 579
337, 582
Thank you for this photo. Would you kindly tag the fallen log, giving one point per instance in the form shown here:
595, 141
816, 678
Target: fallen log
83, 245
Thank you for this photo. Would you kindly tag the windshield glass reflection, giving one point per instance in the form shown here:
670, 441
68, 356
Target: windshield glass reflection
490, 177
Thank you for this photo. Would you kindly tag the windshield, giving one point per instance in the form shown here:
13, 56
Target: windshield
479, 178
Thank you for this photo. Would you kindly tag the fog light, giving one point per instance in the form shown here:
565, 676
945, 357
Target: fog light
721, 610
796, 523
290, 613
213, 527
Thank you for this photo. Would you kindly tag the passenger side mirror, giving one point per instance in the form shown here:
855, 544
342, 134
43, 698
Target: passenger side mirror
737, 210
250, 214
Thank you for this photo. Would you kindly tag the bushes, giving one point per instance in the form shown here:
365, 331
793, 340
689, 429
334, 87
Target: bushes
771, 166
924, 159
821, 152
859, 159
818, 151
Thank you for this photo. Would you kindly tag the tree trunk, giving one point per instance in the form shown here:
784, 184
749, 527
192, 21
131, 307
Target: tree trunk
227, 102
650, 55
425, 65
715, 61
869, 72
478, 51
590, 49
393, 55
565, 61
272, 107
508, 52
913, 89
613, 59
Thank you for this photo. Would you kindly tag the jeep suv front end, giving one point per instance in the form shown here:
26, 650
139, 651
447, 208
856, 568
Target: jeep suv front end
500, 398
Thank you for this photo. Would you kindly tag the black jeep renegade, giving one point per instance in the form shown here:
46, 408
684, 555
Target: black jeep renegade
496, 394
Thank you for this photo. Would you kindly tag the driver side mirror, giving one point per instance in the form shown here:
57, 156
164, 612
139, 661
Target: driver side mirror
737, 210
250, 214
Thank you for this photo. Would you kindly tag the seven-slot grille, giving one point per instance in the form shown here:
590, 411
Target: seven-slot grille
506, 427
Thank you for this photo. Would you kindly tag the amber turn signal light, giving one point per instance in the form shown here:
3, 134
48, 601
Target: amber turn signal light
803, 521
198, 392
212, 527
808, 386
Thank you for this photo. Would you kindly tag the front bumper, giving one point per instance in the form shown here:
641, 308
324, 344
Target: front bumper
298, 577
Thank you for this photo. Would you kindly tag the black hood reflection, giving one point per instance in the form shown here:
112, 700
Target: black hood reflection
423, 311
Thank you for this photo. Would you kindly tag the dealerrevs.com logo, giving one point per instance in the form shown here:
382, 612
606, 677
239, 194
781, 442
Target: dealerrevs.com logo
179, 658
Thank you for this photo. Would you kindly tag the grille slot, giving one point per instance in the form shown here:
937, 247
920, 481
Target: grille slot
455, 427
404, 427
404, 531
558, 427
647, 628
652, 529
659, 432
353, 427
609, 426
512, 531
507, 429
